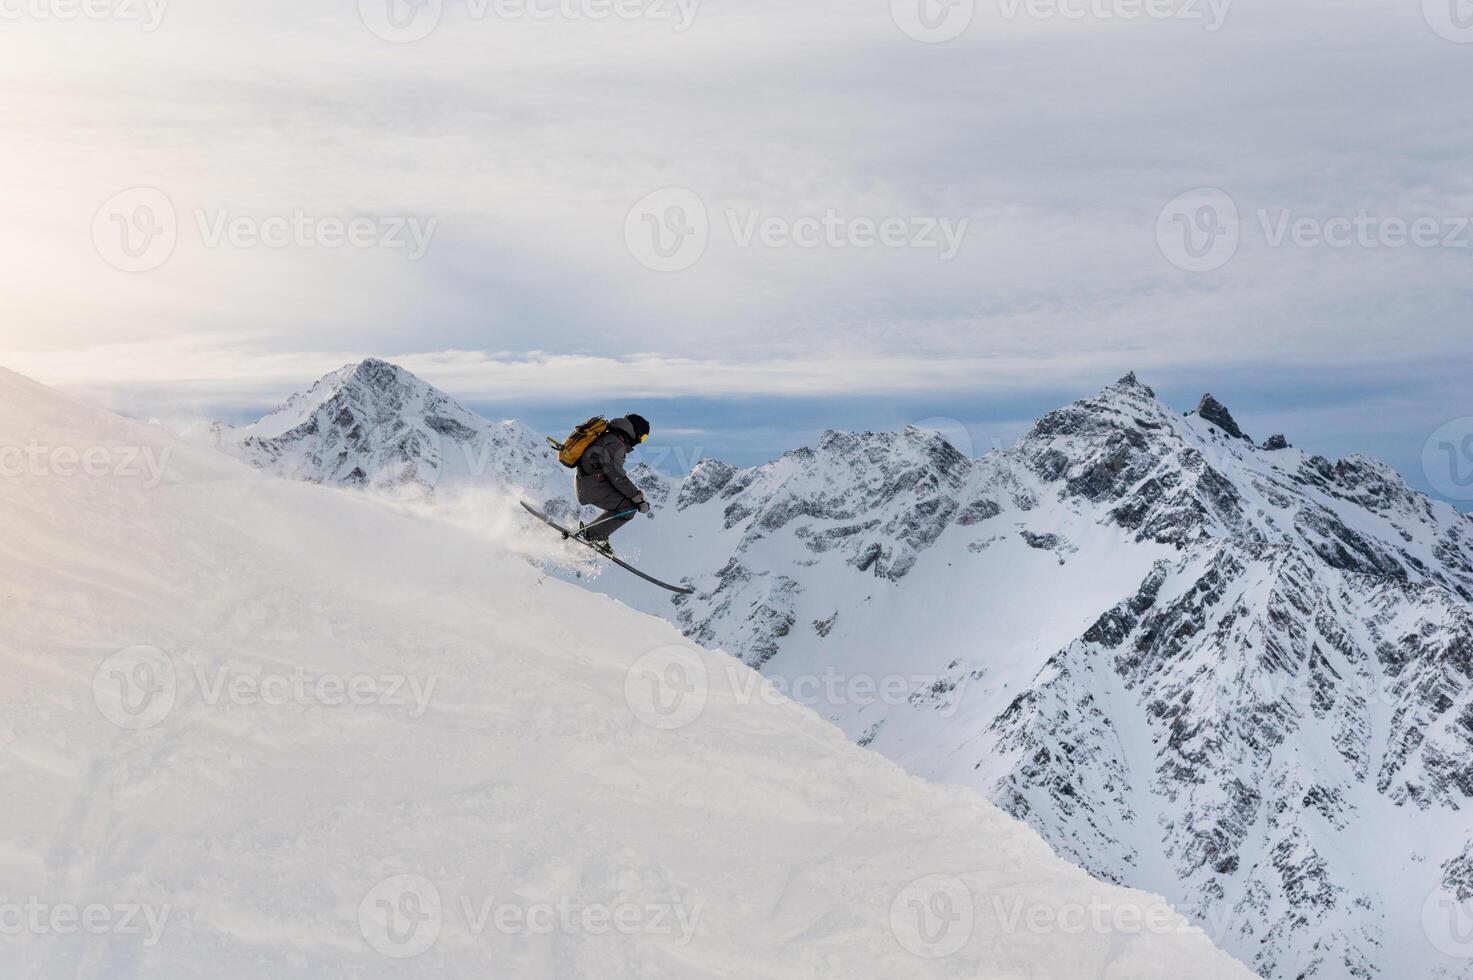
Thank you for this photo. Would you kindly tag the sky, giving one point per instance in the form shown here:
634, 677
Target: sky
764, 218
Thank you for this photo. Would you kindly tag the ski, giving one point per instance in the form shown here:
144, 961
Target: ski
573, 536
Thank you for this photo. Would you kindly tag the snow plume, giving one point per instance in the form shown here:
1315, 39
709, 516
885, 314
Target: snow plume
492, 513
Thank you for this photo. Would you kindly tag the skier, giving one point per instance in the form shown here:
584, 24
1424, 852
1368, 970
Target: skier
602, 482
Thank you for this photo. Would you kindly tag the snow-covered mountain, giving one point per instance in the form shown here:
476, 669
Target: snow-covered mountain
1199, 665
257, 728
1239, 675
377, 426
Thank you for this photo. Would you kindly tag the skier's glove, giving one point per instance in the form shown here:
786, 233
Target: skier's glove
643, 505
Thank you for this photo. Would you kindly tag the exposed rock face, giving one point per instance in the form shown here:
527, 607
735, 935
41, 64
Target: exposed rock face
1276, 442
1216, 412
708, 478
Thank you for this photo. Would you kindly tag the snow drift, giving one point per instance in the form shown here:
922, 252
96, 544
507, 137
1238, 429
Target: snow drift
251, 727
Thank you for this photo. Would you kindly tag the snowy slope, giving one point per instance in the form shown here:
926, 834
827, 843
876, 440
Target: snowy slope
257, 728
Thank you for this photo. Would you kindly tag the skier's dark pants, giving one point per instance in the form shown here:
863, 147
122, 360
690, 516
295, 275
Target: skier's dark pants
600, 531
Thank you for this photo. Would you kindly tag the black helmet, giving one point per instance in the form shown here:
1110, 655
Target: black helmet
641, 427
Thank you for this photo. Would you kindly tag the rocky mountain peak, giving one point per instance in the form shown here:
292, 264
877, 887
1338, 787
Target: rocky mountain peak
374, 371
1130, 381
1216, 412
707, 478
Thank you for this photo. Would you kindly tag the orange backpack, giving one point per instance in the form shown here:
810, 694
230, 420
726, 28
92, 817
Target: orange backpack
571, 449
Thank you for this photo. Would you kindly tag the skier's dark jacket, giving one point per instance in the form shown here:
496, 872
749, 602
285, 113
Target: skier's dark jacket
601, 479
